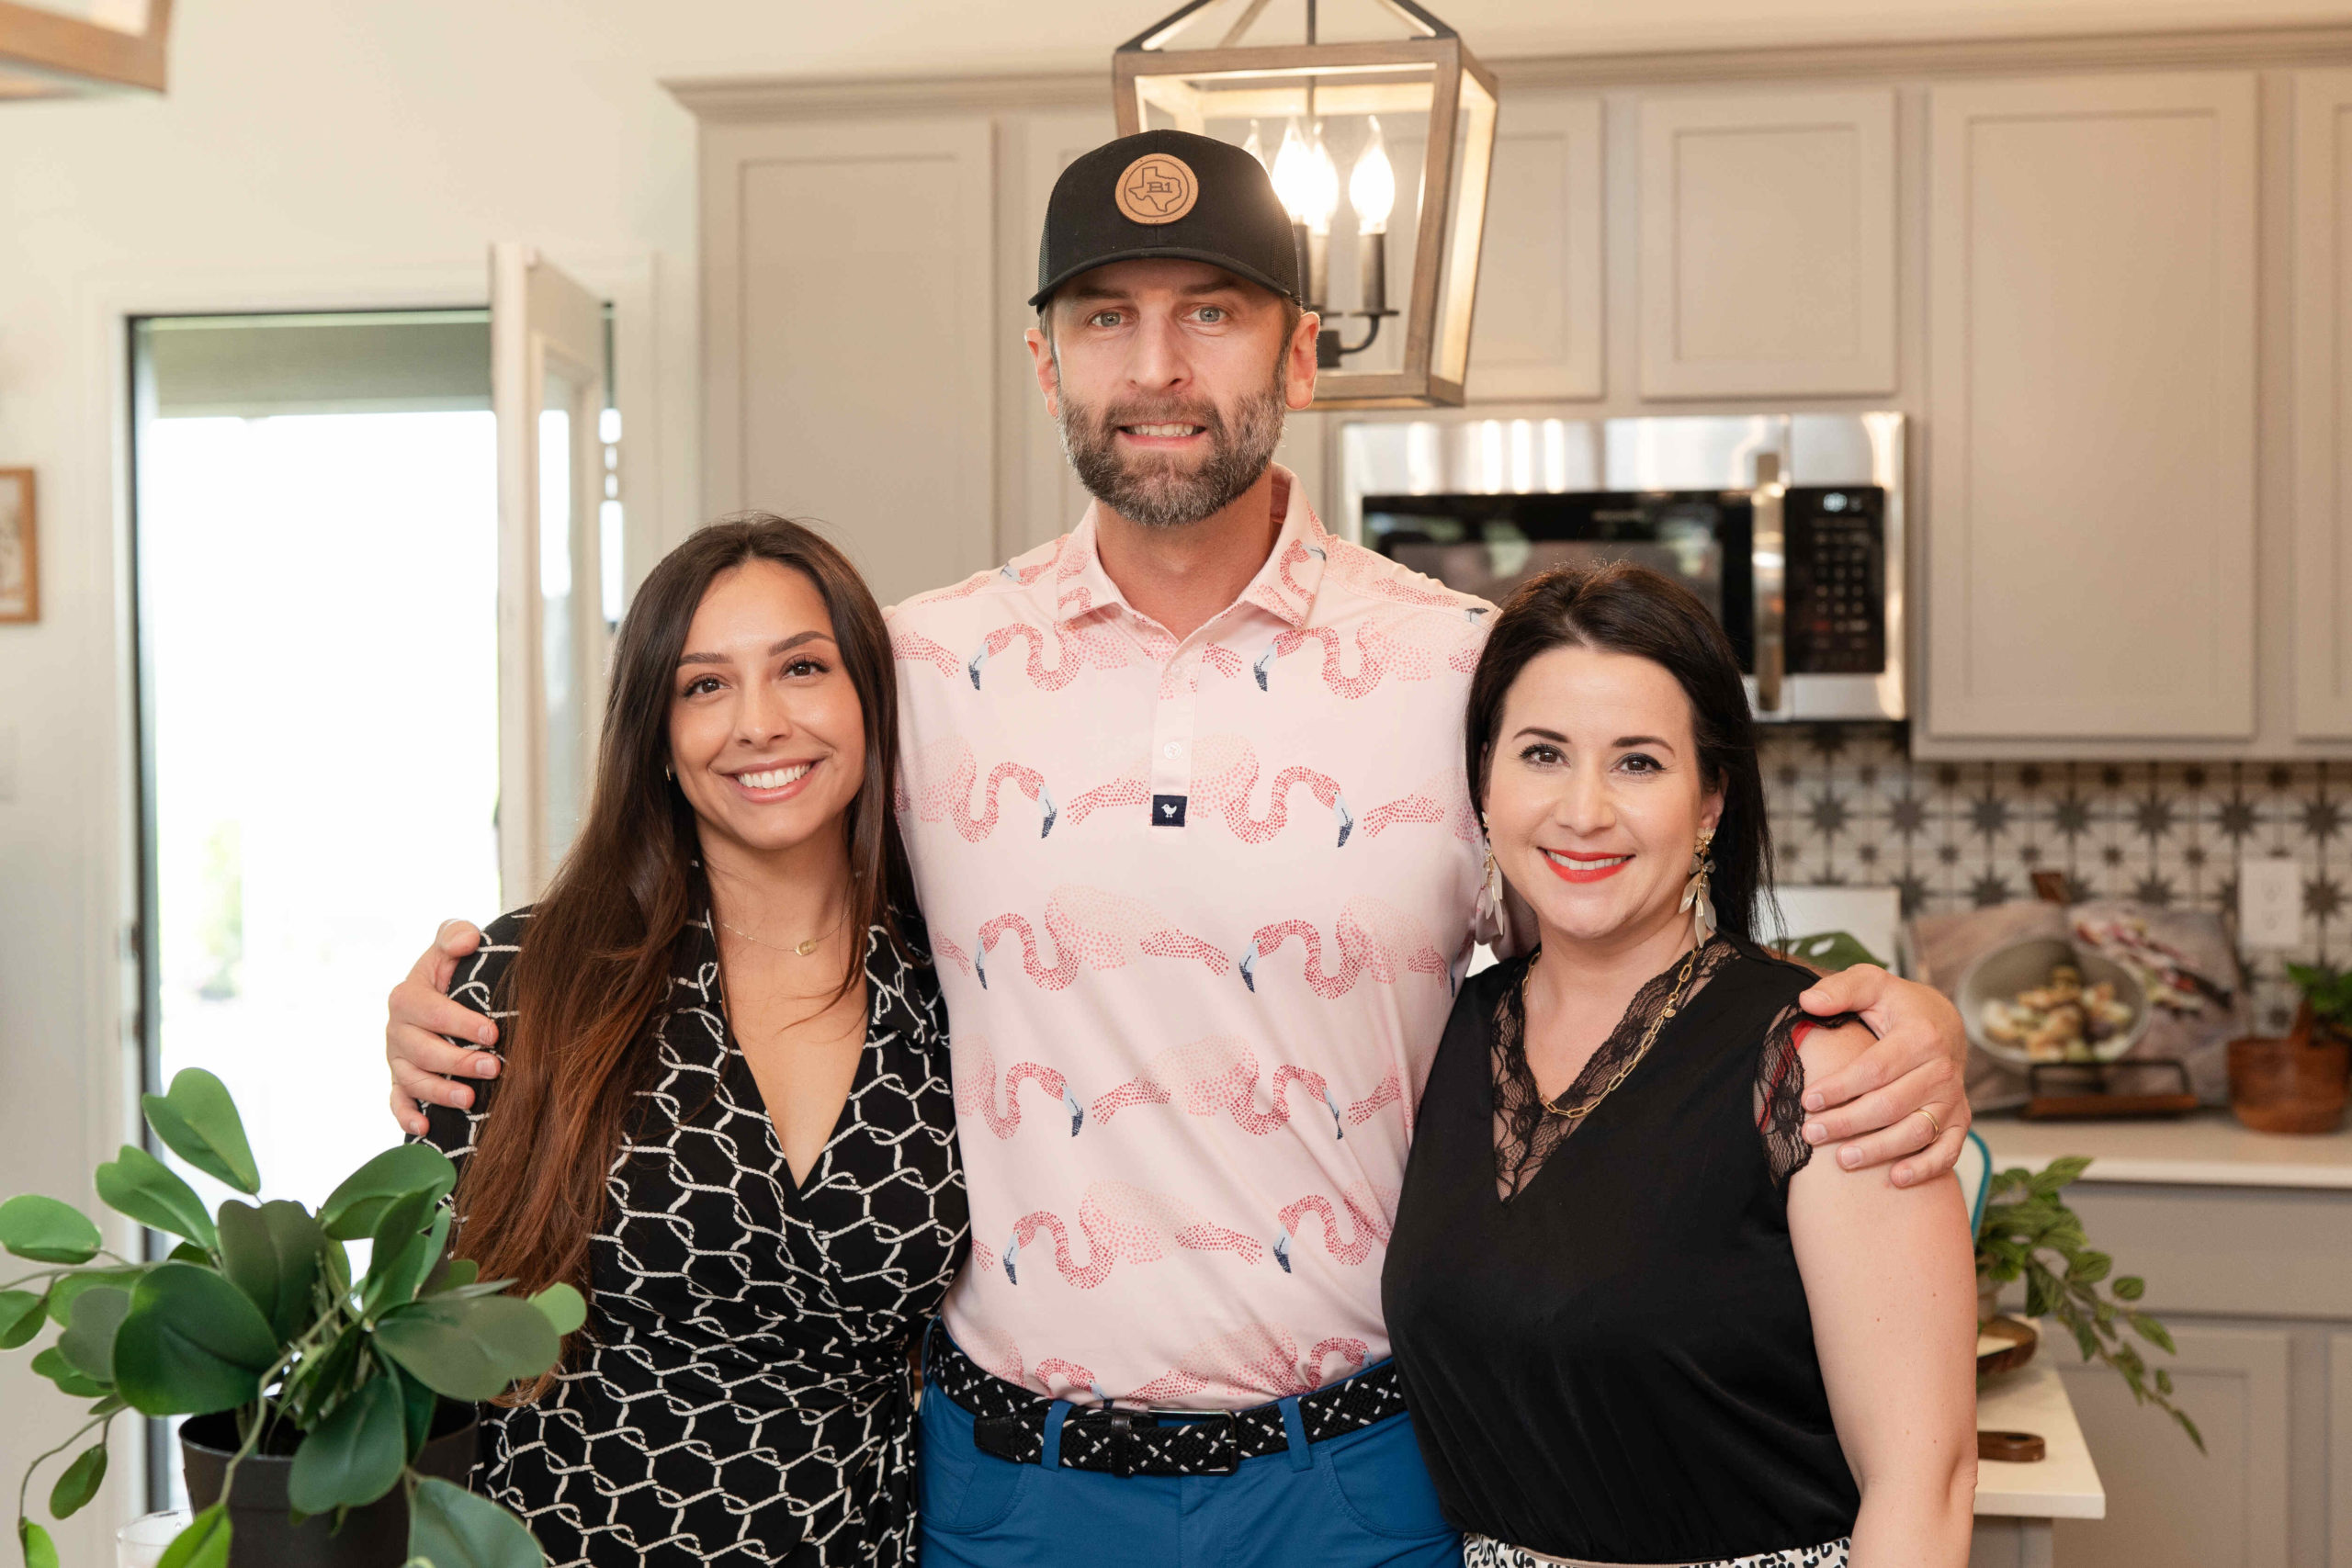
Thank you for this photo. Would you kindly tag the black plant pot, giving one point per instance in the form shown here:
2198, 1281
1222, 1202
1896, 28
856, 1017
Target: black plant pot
262, 1533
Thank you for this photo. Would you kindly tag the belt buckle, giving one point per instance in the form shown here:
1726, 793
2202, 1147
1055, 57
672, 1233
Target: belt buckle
1227, 1444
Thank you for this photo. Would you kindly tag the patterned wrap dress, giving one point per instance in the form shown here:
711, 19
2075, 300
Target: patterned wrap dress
741, 1392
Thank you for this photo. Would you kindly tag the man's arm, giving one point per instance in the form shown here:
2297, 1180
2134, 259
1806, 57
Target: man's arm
424, 1061
1902, 1099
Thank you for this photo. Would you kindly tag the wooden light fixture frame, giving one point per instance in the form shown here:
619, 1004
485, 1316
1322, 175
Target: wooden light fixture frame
45, 54
1452, 220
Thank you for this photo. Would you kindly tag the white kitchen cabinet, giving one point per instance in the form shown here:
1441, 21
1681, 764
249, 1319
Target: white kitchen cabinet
849, 332
1537, 332
2339, 1450
2167, 1504
1041, 146
1768, 258
2323, 639
2091, 318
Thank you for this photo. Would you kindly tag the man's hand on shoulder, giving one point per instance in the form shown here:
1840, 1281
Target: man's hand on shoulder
1904, 1099
423, 1021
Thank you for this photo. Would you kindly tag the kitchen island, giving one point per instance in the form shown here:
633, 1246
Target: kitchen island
2245, 1242
2018, 1505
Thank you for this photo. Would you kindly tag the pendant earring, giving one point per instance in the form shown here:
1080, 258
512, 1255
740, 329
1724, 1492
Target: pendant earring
1490, 886
1697, 901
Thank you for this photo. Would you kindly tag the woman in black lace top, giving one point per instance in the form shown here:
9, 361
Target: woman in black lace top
1639, 1322
723, 1111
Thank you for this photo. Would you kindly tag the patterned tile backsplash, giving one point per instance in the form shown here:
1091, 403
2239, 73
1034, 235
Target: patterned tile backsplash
1848, 806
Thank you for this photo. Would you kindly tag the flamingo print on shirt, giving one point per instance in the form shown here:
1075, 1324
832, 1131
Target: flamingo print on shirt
1081, 647
1098, 929
976, 1089
1373, 938
1368, 1214
1260, 1360
943, 777
1124, 1224
1217, 1076
1224, 774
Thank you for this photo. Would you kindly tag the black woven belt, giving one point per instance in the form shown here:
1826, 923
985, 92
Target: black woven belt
1009, 1422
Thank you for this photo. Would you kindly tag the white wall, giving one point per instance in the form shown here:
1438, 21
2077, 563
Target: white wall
363, 151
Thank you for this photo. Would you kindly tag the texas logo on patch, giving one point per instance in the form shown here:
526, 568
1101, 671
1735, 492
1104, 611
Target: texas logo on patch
1168, 811
1158, 189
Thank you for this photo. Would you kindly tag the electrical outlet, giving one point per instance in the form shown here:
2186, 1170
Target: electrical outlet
2270, 903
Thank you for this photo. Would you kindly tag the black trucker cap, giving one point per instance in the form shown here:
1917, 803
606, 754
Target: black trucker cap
1172, 194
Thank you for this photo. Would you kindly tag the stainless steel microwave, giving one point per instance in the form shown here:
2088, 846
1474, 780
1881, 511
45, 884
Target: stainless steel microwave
1788, 526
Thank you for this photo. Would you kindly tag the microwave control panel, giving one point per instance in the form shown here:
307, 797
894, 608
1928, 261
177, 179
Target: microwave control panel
1836, 580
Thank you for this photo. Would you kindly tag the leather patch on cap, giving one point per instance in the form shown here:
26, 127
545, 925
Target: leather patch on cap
1158, 189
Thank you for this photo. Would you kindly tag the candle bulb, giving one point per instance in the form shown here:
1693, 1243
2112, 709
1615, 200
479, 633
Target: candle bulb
1372, 191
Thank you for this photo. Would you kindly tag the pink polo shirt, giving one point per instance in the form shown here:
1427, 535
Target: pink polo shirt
1199, 908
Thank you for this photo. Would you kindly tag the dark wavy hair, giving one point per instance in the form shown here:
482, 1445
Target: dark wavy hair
597, 952
1623, 608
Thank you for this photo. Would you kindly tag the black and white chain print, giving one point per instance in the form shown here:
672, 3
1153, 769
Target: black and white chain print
1486, 1552
740, 1395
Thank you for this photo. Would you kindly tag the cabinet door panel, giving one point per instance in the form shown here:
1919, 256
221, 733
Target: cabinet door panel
2323, 404
2166, 1503
2091, 338
849, 313
1538, 328
1767, 244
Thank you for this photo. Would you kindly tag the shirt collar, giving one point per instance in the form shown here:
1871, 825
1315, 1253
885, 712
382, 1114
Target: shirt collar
1285, 587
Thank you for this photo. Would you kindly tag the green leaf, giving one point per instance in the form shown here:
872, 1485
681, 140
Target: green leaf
47, 1231
136, 1183
271, 1253
451, 1273
417, 1404
451, 1527
20, 1315
563, 1307
2164, 1382
355, 1455
2154, 1333
403, 1251
2084, 1339
2190, 1428
193, 1344
67, 1288
40, 1551
2088, 1268
188, 1252
468, 1349
2059, 1173
2129, 1287
354, 1209
69, 1380
105, 1407
199, 1122
87, 1343
203, 1544
80, 1482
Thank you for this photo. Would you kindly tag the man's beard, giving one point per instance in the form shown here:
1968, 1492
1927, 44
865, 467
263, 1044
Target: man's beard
1151, 487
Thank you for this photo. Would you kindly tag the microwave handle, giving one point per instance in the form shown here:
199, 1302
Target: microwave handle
1770, 567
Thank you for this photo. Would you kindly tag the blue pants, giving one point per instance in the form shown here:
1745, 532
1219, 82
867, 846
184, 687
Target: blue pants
1362, 1500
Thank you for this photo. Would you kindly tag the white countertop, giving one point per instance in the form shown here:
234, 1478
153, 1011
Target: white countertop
2064, 1486
2211, 1148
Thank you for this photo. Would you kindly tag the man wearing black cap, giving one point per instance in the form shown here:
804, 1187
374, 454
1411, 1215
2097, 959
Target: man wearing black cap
1214, 964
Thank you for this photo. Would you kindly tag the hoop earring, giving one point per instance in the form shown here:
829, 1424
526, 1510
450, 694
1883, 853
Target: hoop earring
1697, 900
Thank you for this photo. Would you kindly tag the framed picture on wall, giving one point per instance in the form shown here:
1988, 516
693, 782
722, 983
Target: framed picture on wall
20, 564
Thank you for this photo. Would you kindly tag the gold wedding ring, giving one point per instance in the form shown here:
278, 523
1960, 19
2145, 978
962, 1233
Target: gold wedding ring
1931, 1120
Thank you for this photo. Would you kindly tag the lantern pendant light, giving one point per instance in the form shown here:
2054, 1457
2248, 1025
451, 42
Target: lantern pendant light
1361, 106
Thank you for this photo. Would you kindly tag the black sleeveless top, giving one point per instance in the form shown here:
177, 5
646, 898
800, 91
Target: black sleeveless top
1615, 1363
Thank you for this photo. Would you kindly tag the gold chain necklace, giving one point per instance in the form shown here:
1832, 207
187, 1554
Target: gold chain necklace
801, 948
1673, 1004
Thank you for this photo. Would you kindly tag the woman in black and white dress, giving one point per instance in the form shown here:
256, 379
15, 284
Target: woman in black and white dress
722, 1107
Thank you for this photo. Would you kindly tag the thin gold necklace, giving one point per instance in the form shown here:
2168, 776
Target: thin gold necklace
1673, 1004
802, 949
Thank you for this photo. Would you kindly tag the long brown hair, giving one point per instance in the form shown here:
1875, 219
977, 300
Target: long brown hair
599, 947
1623, 608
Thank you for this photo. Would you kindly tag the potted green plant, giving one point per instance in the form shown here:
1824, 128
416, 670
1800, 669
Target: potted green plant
2028, 1231
2297, 1084
321, 1400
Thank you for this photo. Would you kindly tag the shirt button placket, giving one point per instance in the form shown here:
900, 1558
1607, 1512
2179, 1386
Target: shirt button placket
1171, 739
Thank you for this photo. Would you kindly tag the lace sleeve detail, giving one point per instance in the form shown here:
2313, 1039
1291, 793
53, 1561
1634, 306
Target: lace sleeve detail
1780, 1091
